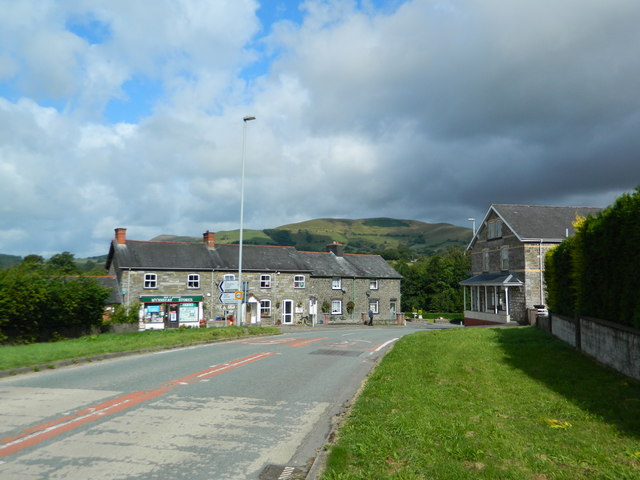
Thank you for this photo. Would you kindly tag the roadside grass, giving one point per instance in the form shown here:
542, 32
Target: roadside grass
37, 354
498, 403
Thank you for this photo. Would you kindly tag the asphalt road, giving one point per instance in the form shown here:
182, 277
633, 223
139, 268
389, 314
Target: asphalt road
257, 408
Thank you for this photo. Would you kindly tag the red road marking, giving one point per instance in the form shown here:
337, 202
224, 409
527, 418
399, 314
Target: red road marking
303, 343
39, 433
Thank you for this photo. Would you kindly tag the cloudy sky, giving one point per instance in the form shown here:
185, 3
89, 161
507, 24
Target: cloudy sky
129, 113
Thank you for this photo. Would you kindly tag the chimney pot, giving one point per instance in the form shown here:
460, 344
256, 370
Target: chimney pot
209, 239
121, 236
336, 248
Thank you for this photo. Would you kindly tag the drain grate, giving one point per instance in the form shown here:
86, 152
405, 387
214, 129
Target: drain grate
341, 353
278, 472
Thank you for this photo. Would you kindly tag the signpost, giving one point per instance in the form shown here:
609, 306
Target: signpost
227, 297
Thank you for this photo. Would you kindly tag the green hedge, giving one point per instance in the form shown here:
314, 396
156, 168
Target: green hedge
596, 272
35, 306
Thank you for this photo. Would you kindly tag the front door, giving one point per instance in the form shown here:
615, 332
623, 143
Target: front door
287, 311
172, 320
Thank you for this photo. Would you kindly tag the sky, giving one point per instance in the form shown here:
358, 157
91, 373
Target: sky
129, 113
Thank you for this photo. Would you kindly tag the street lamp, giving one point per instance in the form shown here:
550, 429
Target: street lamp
244, 154
474, 224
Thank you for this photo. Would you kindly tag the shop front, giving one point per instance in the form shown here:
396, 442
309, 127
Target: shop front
162, 312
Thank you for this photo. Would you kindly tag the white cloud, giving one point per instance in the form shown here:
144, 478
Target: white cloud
425, 109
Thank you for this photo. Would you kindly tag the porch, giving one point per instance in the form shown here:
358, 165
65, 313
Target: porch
487, 299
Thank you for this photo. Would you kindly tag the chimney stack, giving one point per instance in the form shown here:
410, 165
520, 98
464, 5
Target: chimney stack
209, 239
121, 236
336, 249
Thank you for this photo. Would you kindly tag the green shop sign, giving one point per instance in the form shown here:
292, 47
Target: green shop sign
168, 299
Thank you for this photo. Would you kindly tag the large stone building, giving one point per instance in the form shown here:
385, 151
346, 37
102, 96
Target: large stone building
507, 260
184, 284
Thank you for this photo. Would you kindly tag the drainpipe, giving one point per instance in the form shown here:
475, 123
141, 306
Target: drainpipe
540, 263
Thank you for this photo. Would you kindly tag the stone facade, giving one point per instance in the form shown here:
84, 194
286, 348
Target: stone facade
292, 288
507, 260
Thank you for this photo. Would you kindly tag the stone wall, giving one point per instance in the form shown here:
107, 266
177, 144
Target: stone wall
612, 344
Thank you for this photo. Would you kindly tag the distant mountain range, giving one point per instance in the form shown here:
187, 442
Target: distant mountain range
369, 235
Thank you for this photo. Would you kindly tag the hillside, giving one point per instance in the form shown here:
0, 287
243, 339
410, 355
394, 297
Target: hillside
369, 235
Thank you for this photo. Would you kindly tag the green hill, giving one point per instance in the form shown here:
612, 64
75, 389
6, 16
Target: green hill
369, 235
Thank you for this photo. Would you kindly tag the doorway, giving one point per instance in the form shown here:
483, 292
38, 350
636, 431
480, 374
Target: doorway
287, 312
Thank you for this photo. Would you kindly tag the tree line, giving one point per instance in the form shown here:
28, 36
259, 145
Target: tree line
431, 284
43, 299
595, 272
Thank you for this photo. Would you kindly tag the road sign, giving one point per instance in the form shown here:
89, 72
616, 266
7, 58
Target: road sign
229, 286
227, 297
238, 295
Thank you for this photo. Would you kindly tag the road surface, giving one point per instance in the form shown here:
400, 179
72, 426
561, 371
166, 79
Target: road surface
257, 408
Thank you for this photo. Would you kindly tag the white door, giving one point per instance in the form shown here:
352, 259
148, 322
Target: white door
287, 311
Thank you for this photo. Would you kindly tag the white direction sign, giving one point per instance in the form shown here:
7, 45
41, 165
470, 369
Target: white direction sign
229, 286
227, 297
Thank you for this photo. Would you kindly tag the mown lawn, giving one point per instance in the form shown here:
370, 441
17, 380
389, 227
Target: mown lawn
39, 354
503, 403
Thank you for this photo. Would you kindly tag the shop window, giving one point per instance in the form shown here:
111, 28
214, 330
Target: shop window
265, 281
336, 283
336, 307
298, 281
193, 280
265, 308
150, 280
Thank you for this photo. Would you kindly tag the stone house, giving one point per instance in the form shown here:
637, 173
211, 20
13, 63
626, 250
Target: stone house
507, 260
185, 284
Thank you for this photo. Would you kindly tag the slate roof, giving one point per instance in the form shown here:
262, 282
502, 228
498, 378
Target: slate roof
503, 279
537, 222
153, 255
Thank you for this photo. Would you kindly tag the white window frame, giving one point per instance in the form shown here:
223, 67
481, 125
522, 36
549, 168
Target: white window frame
374, 306
265, 281
374, 284
265, 308
193, 280
298, 281
336, 283
228, 277
336, 307
150, 280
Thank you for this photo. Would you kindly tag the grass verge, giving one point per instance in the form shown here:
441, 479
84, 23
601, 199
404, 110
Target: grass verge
17, 356
490, 404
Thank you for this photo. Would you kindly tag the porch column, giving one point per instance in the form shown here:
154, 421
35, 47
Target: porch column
464, 298
506, 298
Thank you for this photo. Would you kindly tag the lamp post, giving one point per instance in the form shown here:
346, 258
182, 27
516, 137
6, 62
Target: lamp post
244, 154
474, 224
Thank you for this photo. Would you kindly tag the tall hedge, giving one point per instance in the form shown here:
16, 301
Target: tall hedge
596, 272
35, 306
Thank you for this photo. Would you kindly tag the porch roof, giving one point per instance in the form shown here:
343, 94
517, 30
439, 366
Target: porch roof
504, 279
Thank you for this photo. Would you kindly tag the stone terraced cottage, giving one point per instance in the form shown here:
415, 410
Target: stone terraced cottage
185, 284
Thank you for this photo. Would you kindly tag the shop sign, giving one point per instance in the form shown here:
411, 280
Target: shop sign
170, 299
